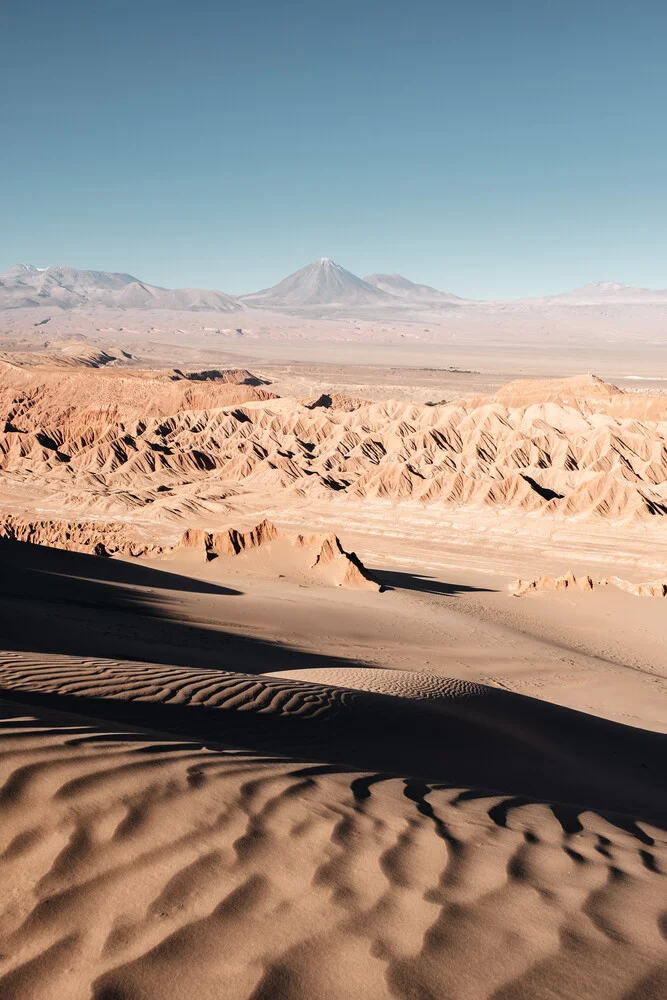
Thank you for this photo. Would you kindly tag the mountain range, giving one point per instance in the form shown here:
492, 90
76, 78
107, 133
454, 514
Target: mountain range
25, 286
598, 292
322, 287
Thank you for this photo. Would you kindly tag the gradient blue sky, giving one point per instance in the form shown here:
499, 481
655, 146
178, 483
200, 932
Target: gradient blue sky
488, 147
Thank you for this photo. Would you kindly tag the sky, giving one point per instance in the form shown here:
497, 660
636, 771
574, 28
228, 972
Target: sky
493, 148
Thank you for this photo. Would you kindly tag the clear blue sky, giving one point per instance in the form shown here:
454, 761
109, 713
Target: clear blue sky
488, 147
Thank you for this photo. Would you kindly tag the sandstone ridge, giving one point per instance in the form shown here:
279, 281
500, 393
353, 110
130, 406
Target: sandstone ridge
320, 559
569, 581
112, 439
320, 555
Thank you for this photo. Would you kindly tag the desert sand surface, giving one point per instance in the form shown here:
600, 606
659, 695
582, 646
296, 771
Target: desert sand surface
275, 723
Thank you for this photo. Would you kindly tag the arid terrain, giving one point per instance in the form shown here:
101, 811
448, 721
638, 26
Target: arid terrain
333, 501
331, 670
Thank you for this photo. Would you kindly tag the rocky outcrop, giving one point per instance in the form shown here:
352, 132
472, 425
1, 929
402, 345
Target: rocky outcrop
320, 556
656, 589
228, 376
230, 542
520, 588
96, 537
336, 401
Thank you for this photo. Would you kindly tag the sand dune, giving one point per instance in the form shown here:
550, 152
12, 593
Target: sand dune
173, 829
463, 733
151, 866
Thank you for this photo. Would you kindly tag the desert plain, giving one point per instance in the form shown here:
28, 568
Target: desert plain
332, 658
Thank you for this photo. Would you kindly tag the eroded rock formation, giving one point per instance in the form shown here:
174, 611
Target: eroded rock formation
520, 588
113, 440
320, 558
323, 556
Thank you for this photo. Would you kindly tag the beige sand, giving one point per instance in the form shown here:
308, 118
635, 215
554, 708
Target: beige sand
144, 865
279, 837
221, 779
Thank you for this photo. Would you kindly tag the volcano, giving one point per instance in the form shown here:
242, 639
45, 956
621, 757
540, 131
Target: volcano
322, 283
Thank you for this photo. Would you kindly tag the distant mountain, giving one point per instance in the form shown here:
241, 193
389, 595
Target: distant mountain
25, 286
403, 288
320, 284
322, 287
612, 292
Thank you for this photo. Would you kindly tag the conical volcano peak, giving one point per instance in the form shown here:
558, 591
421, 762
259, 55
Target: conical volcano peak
329, 264
322, 283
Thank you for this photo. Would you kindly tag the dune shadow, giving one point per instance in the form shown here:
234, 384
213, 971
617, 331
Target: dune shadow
77, 731
457, 748
54, 602
395, 580
23, 558
58, 602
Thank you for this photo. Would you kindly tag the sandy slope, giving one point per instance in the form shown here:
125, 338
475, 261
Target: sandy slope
203, 831
146, 865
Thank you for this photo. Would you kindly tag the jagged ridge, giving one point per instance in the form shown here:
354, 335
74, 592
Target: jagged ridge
322, 555
588, 450
569, 581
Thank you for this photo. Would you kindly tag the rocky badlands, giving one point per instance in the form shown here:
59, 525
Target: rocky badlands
274, 723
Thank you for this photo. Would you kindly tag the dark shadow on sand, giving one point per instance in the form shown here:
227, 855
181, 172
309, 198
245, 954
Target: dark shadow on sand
485, 738
452, 750
393, 580
36, 563
52, 601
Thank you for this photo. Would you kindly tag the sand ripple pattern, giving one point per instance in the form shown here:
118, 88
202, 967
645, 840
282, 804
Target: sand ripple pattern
395, 721
149, 867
